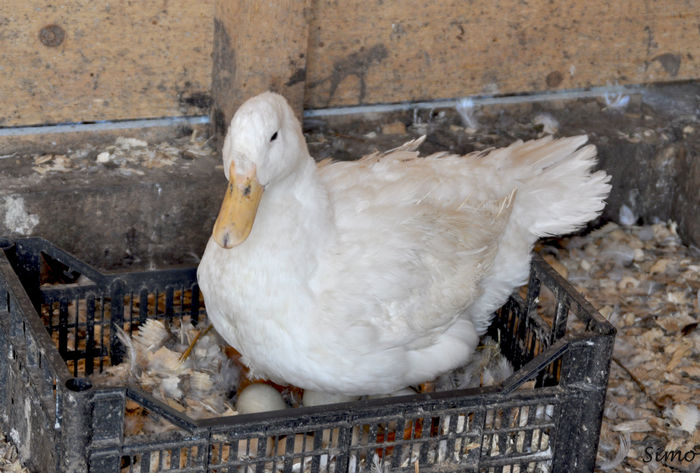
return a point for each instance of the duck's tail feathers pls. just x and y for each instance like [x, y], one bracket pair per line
[409, 145]
[558, 192]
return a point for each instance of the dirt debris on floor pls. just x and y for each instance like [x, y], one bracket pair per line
[647, 284]
[128, 156]
[9, 459]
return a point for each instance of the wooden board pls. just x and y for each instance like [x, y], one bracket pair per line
[378, 51]
[258, 46]
[104, 60]
[124, 60]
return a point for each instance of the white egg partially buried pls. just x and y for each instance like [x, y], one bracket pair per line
[259, 397]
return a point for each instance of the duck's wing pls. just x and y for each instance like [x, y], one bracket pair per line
[414, 239]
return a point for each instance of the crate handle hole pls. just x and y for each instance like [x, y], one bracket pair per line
[78, 384]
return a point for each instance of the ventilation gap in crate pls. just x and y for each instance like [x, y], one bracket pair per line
[76, 327]
[444, 439]
[146, 416]
[170, 304]
[238, 454]
[310, 451]
[152, 461]
[508, 432]
[382, 443]
[458, 439]
[53, 272]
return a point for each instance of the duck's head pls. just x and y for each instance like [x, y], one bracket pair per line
[264, 145]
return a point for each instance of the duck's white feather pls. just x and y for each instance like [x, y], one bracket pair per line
[365, 277]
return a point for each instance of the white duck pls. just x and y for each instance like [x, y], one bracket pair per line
[369, 276]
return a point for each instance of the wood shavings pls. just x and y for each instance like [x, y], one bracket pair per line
[645, 282]
[636, 425]
[9, 459]
[164, 360]
[680, 352]
[131, 152]
[199, 387]
[52, 163]
[127, 156]
[687, 416]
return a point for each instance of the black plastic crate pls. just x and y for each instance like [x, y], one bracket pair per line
[545, 417]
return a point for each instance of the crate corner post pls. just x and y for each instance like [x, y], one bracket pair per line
[586, 379]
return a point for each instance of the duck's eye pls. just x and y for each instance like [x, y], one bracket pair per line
[273, 137]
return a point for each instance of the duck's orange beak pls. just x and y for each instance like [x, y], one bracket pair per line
[238, 209]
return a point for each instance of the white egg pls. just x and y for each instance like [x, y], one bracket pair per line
[318, 398]
[259, 398]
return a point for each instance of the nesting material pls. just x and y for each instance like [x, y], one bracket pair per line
[204, 385]
[647, 284]
[200, 386]
[487, 367]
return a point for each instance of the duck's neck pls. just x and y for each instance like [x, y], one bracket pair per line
[294, 215]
